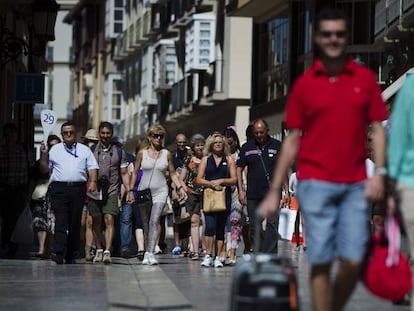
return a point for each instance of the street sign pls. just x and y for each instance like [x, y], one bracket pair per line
[30, 88]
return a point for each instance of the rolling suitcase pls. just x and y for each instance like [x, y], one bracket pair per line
[264, 282]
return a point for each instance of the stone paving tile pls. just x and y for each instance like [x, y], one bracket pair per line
[176, 284]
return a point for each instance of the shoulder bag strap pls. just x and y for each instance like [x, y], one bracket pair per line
[264, 166]
[152, 171]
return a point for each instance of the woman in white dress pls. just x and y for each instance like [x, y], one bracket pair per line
[154, 161]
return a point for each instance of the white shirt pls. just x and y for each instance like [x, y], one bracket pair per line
[293, 182]
[71, 165]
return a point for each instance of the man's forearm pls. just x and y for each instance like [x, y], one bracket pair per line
[378, 144]
[239, 173]
[286, 159]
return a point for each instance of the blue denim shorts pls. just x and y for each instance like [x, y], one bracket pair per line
[336, 220]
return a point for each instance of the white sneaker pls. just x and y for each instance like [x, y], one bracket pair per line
[157, 250]
[218, 263]
[152, 260]
[207, 261]
[146, 261]
[107, 257]
[98, 256]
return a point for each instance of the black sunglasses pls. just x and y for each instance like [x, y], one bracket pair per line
[68, 133]
[339, 34]
[157, 136]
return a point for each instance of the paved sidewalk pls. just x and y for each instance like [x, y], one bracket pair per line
[176, 284]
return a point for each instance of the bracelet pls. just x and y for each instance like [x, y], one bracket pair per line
[92, 181]
[178, 188]
[131, 190]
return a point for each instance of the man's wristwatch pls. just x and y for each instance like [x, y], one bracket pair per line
[381, 170]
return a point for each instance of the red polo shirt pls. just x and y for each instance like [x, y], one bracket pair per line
[333, 114]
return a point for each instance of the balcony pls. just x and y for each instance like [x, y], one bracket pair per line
[129, 36]
[151, 24]
[260, 10]
[215, 74]
[149, 3]
[146, 23]
[385, 17]
[119, 49]
[138, 39]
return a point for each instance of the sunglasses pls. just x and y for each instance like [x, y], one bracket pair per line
[157, 136]
[339, 34]
[68, 133]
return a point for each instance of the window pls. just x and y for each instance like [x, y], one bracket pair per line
[360, 12]
[272, 61]
[114, 18]
[116, 99]
[278, 42]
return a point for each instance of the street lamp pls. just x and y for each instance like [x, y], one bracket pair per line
[44, 19]
[44, 13]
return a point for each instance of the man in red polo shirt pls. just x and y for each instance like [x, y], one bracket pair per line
[328, 112]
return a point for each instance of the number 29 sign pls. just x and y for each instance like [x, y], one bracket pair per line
[48, 119]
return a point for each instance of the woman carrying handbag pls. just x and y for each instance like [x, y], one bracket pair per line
[216, 172]
[154, 161]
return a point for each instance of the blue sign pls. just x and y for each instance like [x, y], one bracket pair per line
[30, 88]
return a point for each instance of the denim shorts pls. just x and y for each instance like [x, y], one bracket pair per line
[336, 220]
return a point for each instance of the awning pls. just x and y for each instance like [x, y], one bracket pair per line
[391, 90]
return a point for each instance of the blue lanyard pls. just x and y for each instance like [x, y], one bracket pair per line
[70, 151]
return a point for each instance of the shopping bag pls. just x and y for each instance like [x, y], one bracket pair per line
[181, 214]
[23, 230]
[287, 219]
[387, 272]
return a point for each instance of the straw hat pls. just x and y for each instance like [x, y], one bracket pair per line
[91, 134]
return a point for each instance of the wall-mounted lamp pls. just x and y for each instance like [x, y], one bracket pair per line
[44, 13]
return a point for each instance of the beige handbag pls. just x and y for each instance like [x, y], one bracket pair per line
[214, 201]
[39, 192]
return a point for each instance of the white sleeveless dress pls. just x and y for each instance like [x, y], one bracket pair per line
[158, 182]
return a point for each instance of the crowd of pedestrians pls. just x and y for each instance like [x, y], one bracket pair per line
[84, 193]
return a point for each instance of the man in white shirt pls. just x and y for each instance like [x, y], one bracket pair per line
[70, 165]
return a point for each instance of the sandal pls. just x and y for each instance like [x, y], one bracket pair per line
[195, 256]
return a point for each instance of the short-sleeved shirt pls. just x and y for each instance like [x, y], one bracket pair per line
[192, 169]
[257, 180]
[71, 165]
[109, 165]
[333, 114]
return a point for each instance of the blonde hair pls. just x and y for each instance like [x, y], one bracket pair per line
[153, 129]
[208, 149]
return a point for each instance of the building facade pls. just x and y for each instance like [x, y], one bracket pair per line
[199, 66]
[25, 28]
[283, 49]
[58, 93]
[179, 63]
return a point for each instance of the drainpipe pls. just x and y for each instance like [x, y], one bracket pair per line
[97, 105]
